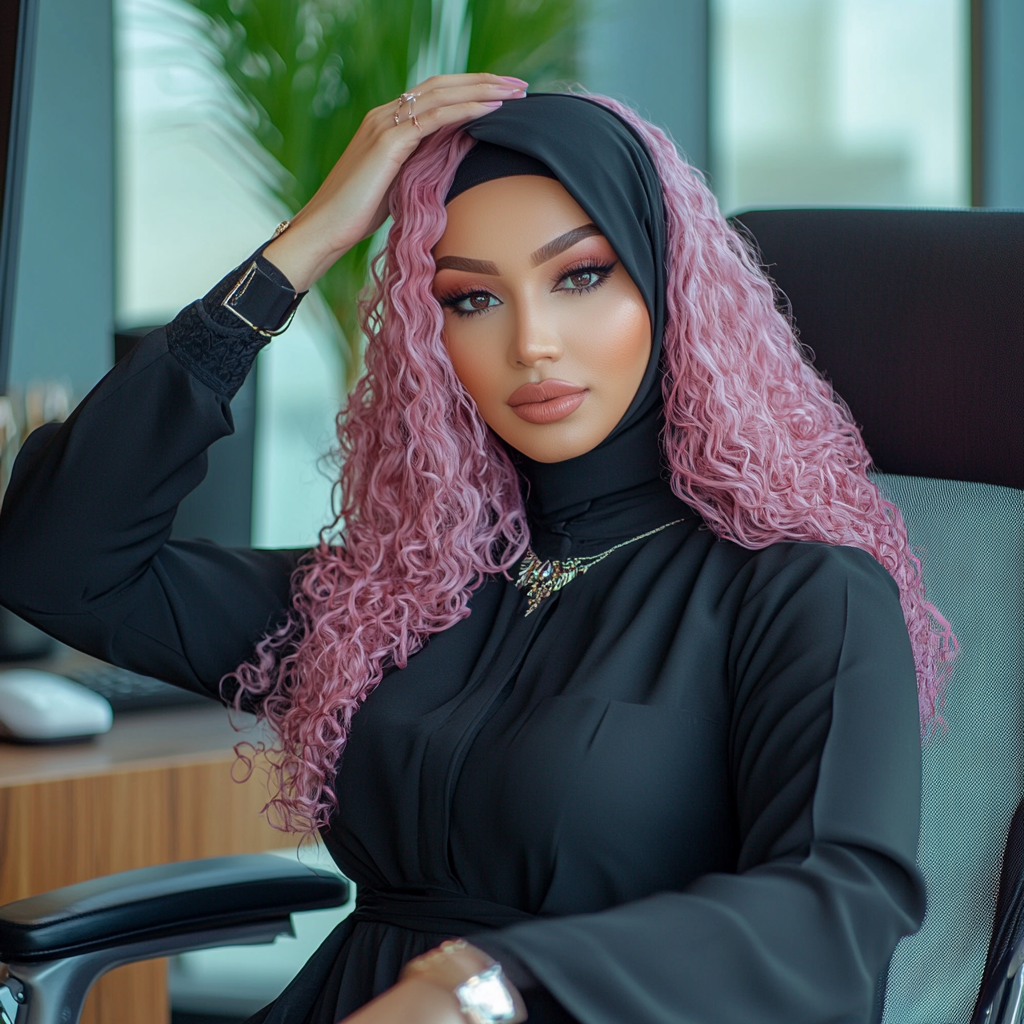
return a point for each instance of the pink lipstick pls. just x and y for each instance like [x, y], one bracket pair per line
[546, 401]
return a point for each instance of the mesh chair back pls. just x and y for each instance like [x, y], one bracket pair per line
[971, 537]
[917, 317]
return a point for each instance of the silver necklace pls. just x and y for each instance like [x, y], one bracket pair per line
[542, 579]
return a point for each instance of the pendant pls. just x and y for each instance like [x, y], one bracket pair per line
[542, 579]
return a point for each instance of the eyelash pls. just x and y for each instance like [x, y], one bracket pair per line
[602, 270]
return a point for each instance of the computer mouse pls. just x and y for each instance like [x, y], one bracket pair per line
[41, 707]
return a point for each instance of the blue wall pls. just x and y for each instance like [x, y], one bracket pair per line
[64, 308]
[1003, 132]
[654, 55]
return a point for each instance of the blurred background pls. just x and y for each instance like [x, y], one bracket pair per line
[167, 138]
[170, 136]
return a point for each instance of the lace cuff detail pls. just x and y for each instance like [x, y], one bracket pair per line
[212, 343]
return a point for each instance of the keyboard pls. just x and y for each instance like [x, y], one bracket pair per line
[128, 691]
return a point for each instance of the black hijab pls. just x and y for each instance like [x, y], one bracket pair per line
[605, 166]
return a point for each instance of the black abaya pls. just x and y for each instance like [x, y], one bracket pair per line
[686, 789]
[706, 756]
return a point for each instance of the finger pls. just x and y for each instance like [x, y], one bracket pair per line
[483, 99]
[414, 119]
[419, 104]
[471, 78]
[480, 92]
[441, 89]
[455, 113]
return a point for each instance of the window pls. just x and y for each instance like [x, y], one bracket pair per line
[836, 102]
[191, 206]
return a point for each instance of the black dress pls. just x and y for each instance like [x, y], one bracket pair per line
[686, 789]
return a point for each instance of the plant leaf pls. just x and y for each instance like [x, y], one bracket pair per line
[307, 72]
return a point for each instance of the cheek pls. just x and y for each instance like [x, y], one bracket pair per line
[616, 340]
[473, 361]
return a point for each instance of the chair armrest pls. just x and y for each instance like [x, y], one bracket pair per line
[162, 902]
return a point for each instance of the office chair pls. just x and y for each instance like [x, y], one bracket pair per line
[918, 319]
[57, 944]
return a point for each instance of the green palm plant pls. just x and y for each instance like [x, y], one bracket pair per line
[306, 72]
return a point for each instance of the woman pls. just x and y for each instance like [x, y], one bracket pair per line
[674, 775]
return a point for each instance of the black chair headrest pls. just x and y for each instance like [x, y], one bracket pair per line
[917, 318]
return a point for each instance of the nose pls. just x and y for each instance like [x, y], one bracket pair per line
[535, 337]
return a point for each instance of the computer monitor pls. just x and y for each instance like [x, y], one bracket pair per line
[17, 45]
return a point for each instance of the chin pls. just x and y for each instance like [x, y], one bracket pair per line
[551, 448]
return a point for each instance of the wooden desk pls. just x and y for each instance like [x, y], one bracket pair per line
[156, 788]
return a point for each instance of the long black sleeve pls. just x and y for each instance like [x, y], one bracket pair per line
[85, 552]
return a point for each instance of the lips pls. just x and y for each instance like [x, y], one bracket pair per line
[546, 401]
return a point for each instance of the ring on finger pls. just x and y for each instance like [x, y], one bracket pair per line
[410, 98]
[413, 96]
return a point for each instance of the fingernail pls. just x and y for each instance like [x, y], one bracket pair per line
[493, 105]
[509, 78]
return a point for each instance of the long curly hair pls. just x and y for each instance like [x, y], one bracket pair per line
[430, 505]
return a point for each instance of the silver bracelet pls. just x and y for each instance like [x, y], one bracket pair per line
[485, 999]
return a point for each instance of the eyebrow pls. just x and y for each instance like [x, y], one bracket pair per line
[546, 252]
[558, 245]
[464, 263]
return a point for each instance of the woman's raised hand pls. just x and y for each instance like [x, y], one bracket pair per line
[352, 202]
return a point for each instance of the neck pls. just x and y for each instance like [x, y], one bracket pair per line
[616, 491]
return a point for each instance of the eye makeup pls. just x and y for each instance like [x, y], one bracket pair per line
[455, 302]
[601, 271]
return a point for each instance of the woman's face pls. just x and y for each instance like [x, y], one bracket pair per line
[546, 330]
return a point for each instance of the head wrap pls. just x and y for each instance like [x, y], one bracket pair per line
[605, 166]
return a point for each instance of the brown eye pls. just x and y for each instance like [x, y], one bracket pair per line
[584, 279]
[474, 302]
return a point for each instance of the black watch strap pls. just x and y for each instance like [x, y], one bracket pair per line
[263, 297]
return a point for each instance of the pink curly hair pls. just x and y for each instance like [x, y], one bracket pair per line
[757, 442]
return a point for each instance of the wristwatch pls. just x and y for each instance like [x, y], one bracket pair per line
[263, 297]
[484, 998]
